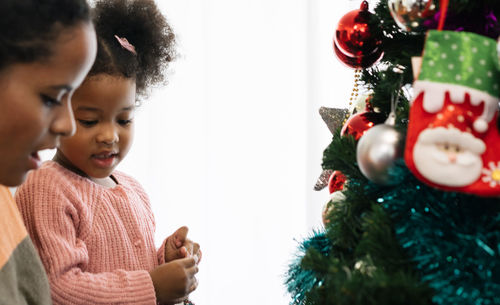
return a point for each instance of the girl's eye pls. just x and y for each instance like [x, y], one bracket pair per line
[49, 101]
[125, 122]
[88, 123]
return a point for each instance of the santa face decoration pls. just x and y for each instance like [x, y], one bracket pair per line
[456, 154]
[453, 142]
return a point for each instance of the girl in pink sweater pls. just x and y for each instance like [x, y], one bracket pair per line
[93, 226]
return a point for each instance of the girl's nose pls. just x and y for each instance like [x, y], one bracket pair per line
[107, 135]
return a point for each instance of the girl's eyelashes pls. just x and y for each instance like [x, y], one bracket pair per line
[50, 101]
[87, 123]
[125, 122]
[91, 123]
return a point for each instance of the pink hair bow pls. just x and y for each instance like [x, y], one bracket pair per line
[126, 45]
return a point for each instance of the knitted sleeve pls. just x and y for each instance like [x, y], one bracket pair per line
[56, 223]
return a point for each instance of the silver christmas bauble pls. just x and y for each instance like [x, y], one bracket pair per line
[409, 14]
[377, 152]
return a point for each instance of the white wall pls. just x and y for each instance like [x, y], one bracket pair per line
[232, 146]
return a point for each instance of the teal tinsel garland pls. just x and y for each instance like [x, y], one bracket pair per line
[300, 280]
[411, 237]
[358, 260]
[453, 238]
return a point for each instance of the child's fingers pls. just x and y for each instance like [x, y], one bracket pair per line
[197, 251]
[196, 248]
[180, 236]
[188, 262]
[191, 271]
[182, 252]
[194, 285]
[189, 246]
[198, 255]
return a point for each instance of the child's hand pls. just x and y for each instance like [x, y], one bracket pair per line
[179, 246]
[175, 280]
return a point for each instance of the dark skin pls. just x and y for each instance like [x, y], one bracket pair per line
[35, 99]
[175, 280]
[103, 108]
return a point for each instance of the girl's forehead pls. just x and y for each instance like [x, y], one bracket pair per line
[105, 93]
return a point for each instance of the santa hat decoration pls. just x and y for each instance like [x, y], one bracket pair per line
[452, 140]
[453, 125]
[460, 63]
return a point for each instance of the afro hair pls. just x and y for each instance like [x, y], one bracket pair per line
[143, 25]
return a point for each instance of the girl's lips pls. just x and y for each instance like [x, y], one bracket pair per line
[34, 161]
[104, 161]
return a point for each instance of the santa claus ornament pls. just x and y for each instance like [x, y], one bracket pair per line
[453, 142]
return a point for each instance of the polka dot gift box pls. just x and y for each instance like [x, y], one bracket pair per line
[453, 142]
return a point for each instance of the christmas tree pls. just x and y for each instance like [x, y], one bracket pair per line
[414, 214]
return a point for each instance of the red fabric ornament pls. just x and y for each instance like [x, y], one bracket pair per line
[458, 117]
[336, 182]
[452, 141]
[357, 39]
[359, 123]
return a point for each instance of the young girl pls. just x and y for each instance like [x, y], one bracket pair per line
[93, 226]
[46, 49]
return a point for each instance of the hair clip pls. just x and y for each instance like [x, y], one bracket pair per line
[126, 45]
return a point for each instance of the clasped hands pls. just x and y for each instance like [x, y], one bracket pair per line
[175, 280]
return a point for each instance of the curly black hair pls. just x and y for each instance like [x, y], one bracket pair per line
[29, 27]
[143, 25]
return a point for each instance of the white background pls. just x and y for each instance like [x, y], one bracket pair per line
[232, 147]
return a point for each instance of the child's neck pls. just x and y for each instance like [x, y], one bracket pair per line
[108, 182]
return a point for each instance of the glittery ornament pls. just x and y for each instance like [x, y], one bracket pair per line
[336, 182]
[325, 212]
[378, 151]
[333, 117]
[410, 15]
[484, 23]
[360, 104]
[359, 123]
[358, 38]
[323, 179]
[329, 206]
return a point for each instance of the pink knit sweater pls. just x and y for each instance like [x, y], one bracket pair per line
[96, 243]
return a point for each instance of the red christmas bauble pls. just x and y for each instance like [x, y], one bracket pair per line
[359, 123]
[336, 182]
[358, 38]
[358, 62]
